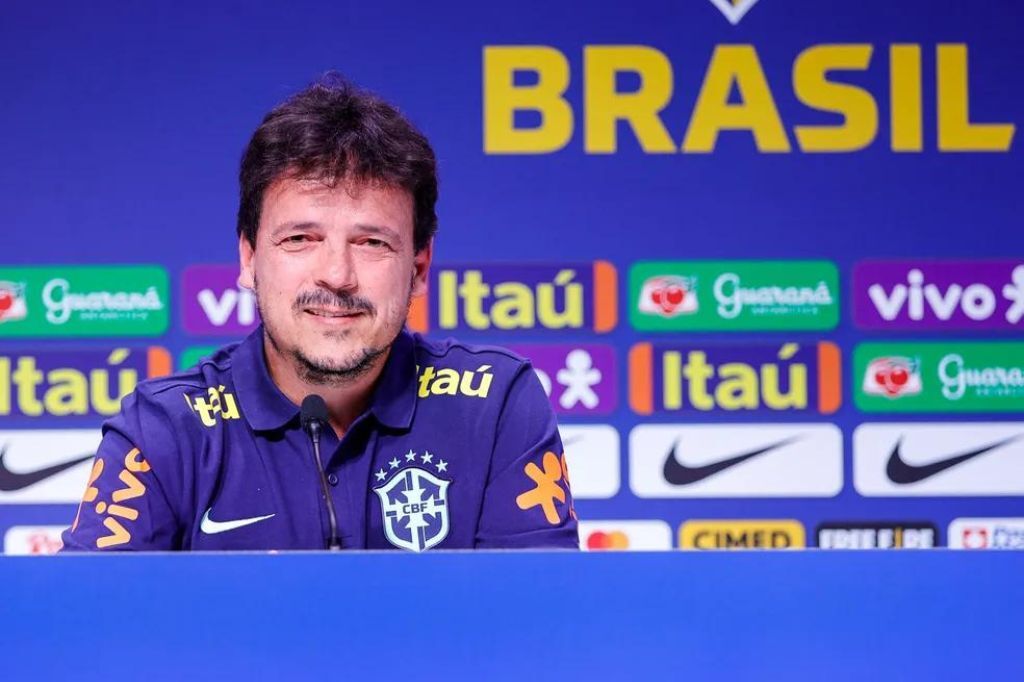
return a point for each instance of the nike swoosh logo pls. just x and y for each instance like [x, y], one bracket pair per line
[211, 527]
[11, 481]
[901, 473]
[681, 474]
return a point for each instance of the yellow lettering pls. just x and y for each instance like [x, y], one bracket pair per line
[26, 377]
[738, 388]
[739, 65]
[855, 105]
[473, 291]
[99, 389]
[67, 393]
[773, 395]
[671, 370]
[956, 132]
[447, 382]
[604, 106]
[905, 98]
[514, 306]
[448, 299]
[466, 387]
[572, 316]
[502, 98]
[697, 371]
[425, 379]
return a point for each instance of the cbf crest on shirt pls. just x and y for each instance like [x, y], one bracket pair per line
[459, 448]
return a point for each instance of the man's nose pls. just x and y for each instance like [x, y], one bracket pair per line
[336, 268]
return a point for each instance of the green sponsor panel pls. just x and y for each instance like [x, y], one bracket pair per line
[190, 357]
[939, 377]
[783, 295]
[77, 301]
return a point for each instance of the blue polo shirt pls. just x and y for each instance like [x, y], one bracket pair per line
[458, 449]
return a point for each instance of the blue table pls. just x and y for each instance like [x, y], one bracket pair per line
[930, 615]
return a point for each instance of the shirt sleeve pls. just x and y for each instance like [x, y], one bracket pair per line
[125, 505]
[527, 502]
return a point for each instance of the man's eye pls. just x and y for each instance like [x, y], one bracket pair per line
[295, 238]
[376, 243]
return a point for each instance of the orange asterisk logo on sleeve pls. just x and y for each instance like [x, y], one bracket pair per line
[546, 487]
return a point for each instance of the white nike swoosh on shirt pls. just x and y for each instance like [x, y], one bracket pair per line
[211, 527]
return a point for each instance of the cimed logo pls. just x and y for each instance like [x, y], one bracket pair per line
[414, 502]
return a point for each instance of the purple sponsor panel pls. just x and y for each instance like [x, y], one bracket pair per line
[214, 305]
[738, 379]
[80, 383]
[939, 295]
[580, 378]
[512, 298]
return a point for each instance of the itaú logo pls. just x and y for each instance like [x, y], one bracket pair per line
[734, 378]
[65, 383]
[528, 297]
[735, 97]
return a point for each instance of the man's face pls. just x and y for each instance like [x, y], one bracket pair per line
[333, 271]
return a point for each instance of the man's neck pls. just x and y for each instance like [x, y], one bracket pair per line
[345, 401]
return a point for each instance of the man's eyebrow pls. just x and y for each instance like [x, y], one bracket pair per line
[382, 230]
[294, 225]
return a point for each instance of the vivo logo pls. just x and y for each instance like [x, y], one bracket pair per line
[939, 294]
[214, 304]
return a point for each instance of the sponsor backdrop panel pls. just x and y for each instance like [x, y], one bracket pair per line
[727, 236]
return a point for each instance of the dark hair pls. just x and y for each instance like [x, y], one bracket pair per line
[334, 131]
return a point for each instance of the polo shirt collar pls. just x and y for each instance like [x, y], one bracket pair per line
[266, 408]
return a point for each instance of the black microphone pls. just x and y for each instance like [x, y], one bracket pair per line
[314, 418]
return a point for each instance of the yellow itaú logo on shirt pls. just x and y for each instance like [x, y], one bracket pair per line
[445, 381]
[217, 403]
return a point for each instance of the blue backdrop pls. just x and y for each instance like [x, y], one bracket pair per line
[123, 128]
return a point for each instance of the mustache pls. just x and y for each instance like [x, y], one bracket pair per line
[332, 299]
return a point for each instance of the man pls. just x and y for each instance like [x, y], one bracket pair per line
[426, 444]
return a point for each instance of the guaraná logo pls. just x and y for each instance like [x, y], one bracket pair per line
[940, 377]
[734, 295]
[84, 301]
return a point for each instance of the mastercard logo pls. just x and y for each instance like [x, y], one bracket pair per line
[613, 540]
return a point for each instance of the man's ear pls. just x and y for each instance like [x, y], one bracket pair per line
[421, 269]
[247, 274]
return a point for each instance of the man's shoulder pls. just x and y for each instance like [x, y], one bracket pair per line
[455, 352]
[175, 393]
[452, 367]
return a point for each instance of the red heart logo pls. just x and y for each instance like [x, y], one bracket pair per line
[6, 301]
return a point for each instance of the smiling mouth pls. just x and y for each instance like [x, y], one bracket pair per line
[333, 314]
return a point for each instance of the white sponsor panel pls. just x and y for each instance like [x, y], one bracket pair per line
[25, 540]
[928, 459]
[46, 466]
[592, 456]
[642, 536]
[736, 460]
[991, 533]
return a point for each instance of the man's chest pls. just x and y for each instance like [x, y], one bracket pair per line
[415, 491]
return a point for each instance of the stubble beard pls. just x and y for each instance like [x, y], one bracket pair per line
[330, 371]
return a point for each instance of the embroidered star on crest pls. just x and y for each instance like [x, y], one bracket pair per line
[427, 457]
[380, 475]
[442, 465]
[410, 456]
[394, 463]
